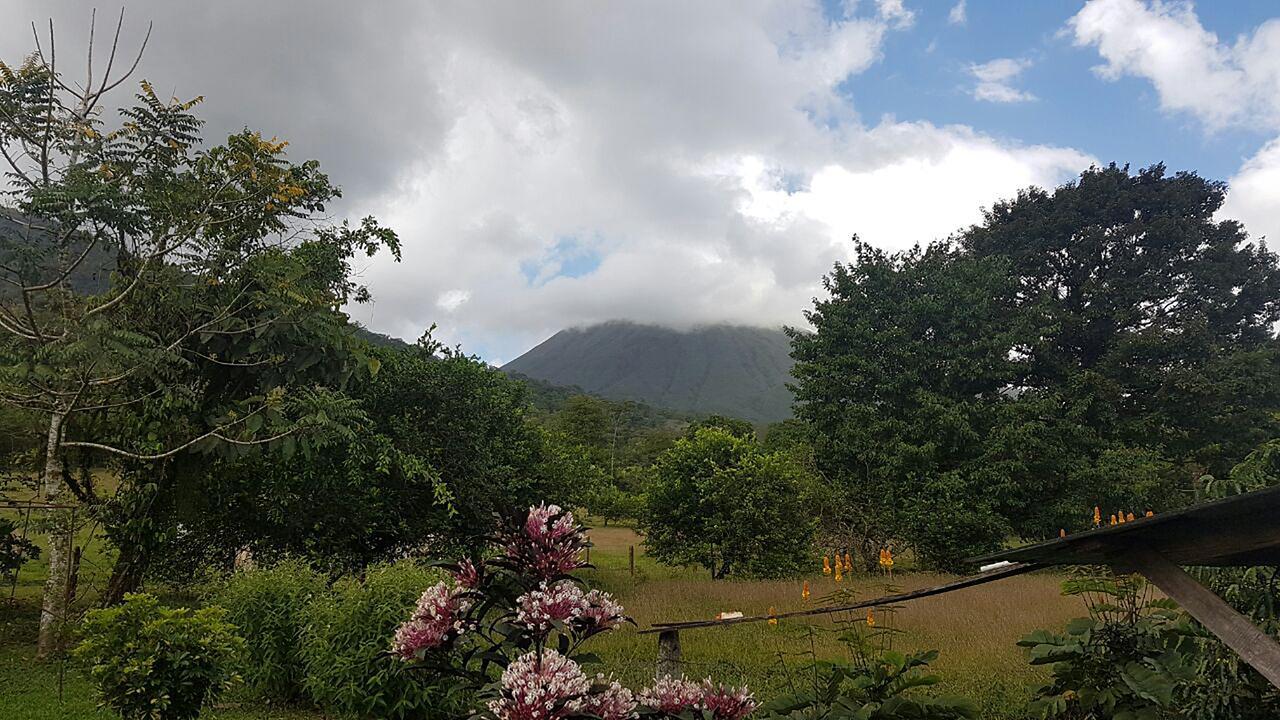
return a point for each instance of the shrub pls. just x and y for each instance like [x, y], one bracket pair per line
[345, 643]
[269, 607]
[150, 662]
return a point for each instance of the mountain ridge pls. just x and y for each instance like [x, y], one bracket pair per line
[734, 370]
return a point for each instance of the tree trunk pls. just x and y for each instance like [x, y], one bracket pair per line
[53, 608]
[126, 574]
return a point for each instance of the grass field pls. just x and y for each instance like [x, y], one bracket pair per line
[974, 629]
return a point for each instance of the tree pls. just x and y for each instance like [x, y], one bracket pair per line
[902, 378]
[731, 425]
[1145, 306]
[717, 501]
[1102, 344]
[199, 251]
[448, 447]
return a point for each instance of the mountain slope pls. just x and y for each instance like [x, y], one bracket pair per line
[731, 370]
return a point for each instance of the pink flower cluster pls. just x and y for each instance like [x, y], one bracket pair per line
[611, 701]
[545, 688]
[672, 696]
[436, 621]
[561, 602]
[554, 687]
[565, 602]
[549, 544]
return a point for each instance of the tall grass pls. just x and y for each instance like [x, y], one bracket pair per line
[975, 629]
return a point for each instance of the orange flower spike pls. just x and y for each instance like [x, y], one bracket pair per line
[1150, 514]
[1129, 517]
[839, 576]
[1097, 516]
[804, 591]
[1062, 532]
[772, 613]
[826, 565]
[839, 564]
[848, 562]
[871, 619]
[1113, 519]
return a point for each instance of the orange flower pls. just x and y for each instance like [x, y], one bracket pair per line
[1097, 516]
[772, 620]
[1129, 517]
[1150, 514]
[1062, 532]
[871, 619]
[848, 562]
[839, 577]
[826, 565]
[804, 591]
[1113, 519]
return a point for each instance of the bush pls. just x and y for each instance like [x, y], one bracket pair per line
[345, 644]
[150, 662]
[270, 608]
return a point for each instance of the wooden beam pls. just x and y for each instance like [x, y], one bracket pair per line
[1235, 630]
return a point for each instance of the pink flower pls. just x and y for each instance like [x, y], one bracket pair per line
[542, 528]
[672, 695]
[562, 602]
[727, 703]
[467, 576]
[601, 611]
[549, 542]
[612, 701]
[436, 621]
[549, 688]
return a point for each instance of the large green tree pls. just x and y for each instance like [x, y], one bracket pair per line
[718, 501]
[448, 446]
[201, 263]
[1101, 344]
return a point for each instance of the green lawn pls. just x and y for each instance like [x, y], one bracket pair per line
[974, 629]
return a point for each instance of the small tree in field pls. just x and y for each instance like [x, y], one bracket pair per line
[718, 501]
[159, 299]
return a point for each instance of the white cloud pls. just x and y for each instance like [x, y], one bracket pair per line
[1191, 69]
[894, 12]
[958, 14]
[1254, 194]
[702, 151]
[993, 81]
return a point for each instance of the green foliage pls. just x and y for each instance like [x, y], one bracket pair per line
[447, 444]
[716, 500]
[733, 426]
[270, 609]
[846, 691]
[150, 662]
[1093, 345]
[14, 550]
[345, 644]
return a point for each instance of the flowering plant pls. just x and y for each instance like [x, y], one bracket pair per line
[511, 625]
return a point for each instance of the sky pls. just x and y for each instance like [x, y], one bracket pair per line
[557, 164]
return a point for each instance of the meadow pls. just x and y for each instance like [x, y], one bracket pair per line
[975, 630]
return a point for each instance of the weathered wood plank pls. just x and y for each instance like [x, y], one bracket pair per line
[669, 660]
[1238, 632]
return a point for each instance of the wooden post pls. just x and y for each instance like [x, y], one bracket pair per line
[668, 654]
[631, 559]
[1235, 630]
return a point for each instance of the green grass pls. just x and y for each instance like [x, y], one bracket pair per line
[974, 629]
